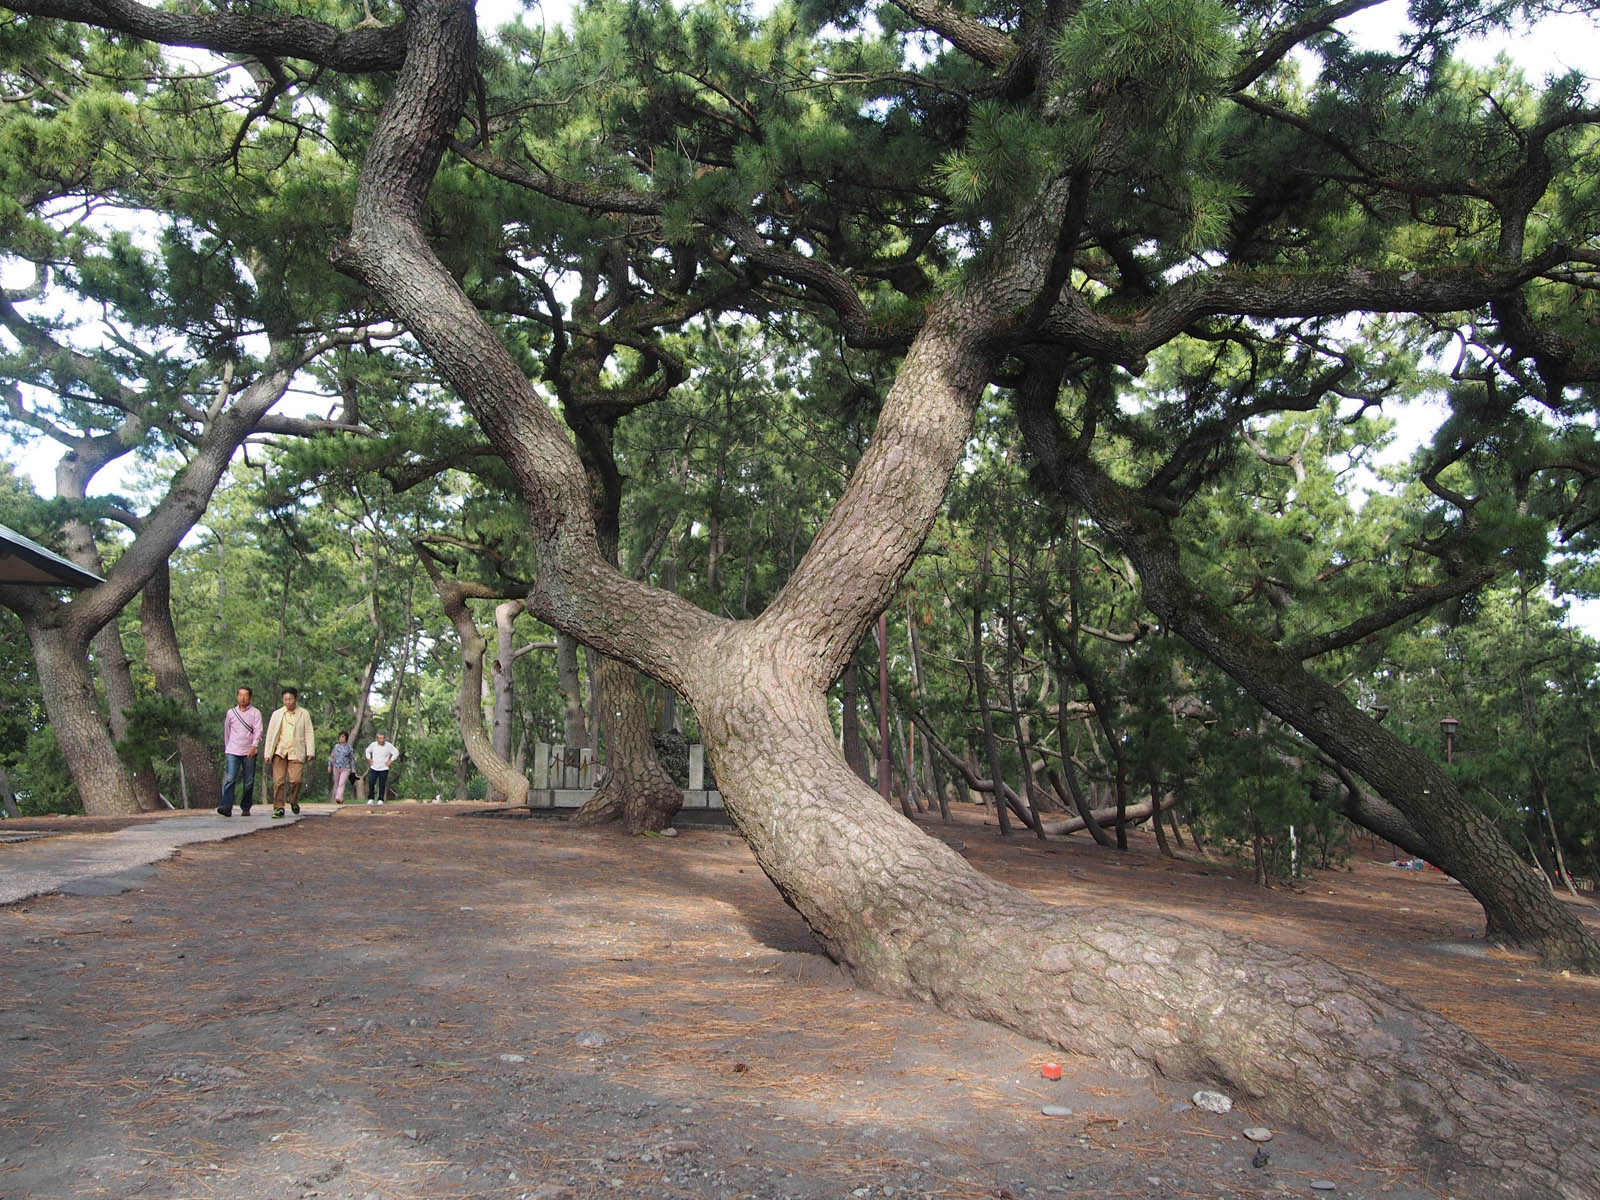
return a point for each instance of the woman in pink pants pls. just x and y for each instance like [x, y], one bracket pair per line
[341, 763]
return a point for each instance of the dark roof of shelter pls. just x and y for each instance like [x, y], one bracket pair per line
[25, 561]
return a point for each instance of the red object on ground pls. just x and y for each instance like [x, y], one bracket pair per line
[1051, 1070]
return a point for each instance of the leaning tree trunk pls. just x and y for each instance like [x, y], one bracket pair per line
[111, 661]
[1463, 840]
[98, 775]
[165, 660]
[1306, 1042]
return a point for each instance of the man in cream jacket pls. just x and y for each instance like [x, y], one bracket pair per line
[288, 746]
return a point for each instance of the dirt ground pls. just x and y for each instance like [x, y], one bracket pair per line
[437, 1001]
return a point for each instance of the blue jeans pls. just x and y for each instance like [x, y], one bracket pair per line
[239, 764]
[378, 782]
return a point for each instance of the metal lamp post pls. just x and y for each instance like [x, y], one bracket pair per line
[1449, 725]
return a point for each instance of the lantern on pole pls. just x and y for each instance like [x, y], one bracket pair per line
[1449, 725]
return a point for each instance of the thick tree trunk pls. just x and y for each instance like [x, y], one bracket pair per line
[636, 788]
[111, 664]
[101, 780]
[165, 660]
[1307, 1043]
[1464, 841]
[1303, 1041]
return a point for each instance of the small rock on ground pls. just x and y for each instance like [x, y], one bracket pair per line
[1213, 1102]
[1056, 1110]
[1257, 1134]
[589, 1039]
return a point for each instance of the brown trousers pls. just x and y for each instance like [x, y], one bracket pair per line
[287, 776]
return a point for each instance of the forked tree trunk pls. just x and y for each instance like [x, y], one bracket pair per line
[111, 663]
[165, 660]
[502, 776]
[1307, 1043]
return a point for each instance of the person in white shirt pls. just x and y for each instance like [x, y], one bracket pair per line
[380, 754]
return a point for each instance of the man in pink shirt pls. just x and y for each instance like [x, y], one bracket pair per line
[241, 742]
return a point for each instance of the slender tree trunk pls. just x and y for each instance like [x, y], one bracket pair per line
[8, 797]
[1172, 820]
[991, 747]
[408, 650]
[1155, 819]
[1069, 769]
[575, 724]
[850, 721]
[503, 686]
[1029, 784]
[165, 660]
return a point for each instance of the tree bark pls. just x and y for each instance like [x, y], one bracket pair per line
[850, 722]
[110, 656]
[1074, 787]
[165, 660]
[1133, 814]
[1308, 1043]
[502, 776]
[8, 797]
[991, 747]
[103, 785]
[574, 721]
[502, 685]
[636, 789]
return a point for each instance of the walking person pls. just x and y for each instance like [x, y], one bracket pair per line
[341, 765]
[241, 742]
[290, 743]
[379, 755]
